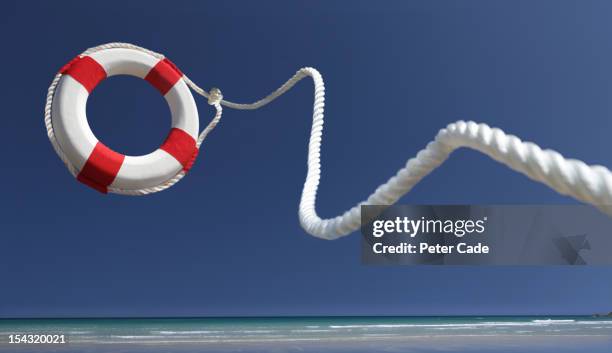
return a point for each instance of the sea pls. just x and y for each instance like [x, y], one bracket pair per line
[495, 334]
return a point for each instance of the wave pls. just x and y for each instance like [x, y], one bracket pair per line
[195, 332]
[309, 330]
[470, 325]
[552, 321]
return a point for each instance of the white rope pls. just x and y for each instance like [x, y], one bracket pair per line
[590, 184]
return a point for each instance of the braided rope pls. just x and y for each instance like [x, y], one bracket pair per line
[590, 184]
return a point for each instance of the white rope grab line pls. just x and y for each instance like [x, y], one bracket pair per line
[590, 184]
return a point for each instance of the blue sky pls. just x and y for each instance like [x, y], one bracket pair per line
[226, 239]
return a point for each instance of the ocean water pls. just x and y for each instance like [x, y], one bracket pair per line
[318, 334]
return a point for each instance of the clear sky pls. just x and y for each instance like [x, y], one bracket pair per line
[226, 240]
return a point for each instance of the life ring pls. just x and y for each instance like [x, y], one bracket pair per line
[108, 171]
[95, 164]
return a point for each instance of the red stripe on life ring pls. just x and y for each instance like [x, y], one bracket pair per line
[86, 71]
[181, 146]
[101, 168]
[163, 76]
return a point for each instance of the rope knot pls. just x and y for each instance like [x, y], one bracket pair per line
[214, 96]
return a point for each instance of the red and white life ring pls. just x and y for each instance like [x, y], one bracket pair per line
[95, 164]
[108, 171]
